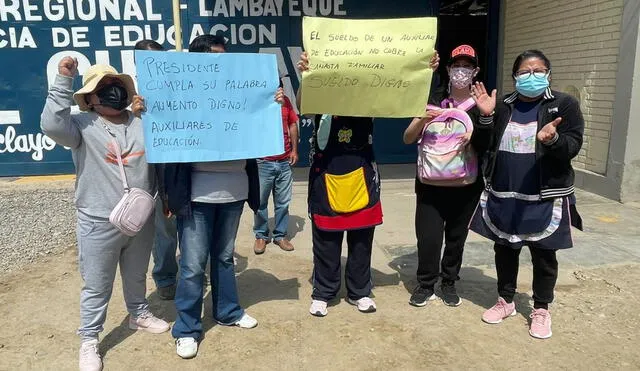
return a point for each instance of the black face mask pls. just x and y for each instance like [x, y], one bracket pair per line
[113, 96]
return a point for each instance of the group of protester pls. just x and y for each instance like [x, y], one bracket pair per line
[512, 182]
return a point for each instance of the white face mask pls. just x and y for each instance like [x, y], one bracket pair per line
[461, 77]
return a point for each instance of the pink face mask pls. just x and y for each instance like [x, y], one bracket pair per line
[461, 77]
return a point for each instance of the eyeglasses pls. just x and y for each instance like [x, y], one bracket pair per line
[522, 75]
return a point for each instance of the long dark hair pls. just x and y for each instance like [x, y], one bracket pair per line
[531, 53]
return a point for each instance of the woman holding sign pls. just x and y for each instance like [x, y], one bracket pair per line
[529, 195]
[344, 196]
[208, 199]
[452, 136]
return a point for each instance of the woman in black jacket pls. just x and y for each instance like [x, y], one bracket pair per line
[529, 194]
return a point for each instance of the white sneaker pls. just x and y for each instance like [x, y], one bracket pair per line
[89, 358]
[186, 347]
[318, 308]
[149, 323]
[365, 305]
[247, 322]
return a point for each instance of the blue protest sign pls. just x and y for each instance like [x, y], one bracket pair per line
[209, 106]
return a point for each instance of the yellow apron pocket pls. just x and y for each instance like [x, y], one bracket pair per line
[347, 193]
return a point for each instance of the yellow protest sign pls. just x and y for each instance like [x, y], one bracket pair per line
[367, 68]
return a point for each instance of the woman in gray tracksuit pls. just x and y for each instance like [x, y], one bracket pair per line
[94, 137]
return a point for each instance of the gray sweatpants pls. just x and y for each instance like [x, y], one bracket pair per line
[100, 248]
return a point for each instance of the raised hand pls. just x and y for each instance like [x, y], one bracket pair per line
[435, 61]
[279, 97]
[465, 139]
[549, 131]
[486, 103]
[303, 63]
[68, 67]
[138, 106]
[431, 114]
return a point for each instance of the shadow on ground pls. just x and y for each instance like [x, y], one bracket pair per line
[378, 279]
[296, 225]
[474, 285]
[254, 286]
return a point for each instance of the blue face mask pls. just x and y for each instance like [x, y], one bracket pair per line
[532, 86]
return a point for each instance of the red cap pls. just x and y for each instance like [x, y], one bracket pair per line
[464, 51]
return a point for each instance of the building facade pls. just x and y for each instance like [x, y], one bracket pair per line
[594, 48]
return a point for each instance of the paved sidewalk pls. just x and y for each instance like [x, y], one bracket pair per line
[610, 235]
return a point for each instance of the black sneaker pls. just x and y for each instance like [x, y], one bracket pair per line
[421, 296]
[167, 292]
[449, 294]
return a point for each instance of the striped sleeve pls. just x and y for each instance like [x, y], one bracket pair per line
[552, 141]
[485, 120]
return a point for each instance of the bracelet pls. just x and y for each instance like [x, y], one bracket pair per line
[489, 115]
[552, 141]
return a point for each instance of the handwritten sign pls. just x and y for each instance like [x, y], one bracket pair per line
[209, 106]
[369, 68]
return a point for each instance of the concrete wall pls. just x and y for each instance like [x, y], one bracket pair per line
[625, 145]
[593, 49]
[581, 38]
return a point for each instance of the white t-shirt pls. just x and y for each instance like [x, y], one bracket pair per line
[219, 182]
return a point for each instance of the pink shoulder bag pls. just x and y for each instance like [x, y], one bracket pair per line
[135, 207]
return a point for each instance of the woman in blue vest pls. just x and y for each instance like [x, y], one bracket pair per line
[344, 196]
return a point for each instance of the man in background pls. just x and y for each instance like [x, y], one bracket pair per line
[165, 243]
[276, 177]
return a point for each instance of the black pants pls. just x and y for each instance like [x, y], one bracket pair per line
[545, 273]
[442, 211]
[327, 251]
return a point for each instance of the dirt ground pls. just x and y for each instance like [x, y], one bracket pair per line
[596, 321]
[595, 324]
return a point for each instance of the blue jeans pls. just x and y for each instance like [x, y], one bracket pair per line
[165, 244]
[275, 177]
[210, 229]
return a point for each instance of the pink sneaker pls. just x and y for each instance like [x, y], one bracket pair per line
[498, 312]
[149, 323]
[540, 324]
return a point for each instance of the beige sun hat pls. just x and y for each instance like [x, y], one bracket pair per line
[92, 78]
